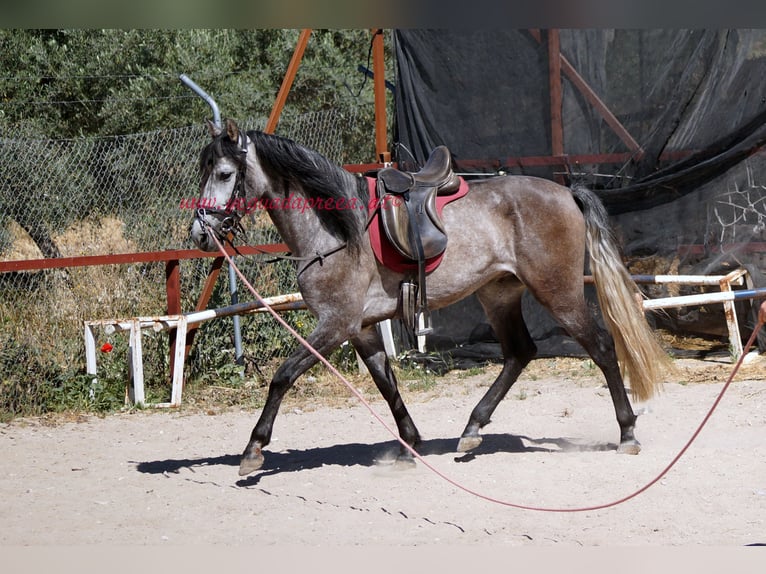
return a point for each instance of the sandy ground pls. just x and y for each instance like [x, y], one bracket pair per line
[170, 478]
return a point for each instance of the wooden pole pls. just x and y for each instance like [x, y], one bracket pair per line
[554, 75]
[578, 81]
[287, 81]
[379, 81]
[173, 290]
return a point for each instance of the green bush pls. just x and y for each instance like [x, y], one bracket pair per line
[33, 385]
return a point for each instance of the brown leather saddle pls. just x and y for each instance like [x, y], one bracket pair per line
[408, 205]
[412, 224]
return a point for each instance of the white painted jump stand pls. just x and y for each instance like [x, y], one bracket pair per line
[135, 393]
[726, 297]
[135, 325]
[181, 323]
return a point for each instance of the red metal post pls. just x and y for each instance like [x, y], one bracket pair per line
[554, 75]
[207, 291]
[287, 81]
[595, 101]
[137, 257]
[173, 290]
[379, 72]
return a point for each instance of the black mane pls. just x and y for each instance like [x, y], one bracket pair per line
[284, 159]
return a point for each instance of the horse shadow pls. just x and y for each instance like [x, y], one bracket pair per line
[381, 453]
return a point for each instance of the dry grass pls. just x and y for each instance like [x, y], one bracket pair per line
[88, 237]
[47, 308]
[22, 247]
[103, 286]
[53, 317]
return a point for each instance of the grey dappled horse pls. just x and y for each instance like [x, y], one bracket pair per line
[508, 234]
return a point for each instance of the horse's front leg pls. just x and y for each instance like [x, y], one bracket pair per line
[324, 340]
[369, 345]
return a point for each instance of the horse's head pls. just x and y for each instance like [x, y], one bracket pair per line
[220, 206]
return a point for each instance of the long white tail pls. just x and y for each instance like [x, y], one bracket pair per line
[642, 359]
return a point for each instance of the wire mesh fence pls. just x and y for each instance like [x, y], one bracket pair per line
[97, 196]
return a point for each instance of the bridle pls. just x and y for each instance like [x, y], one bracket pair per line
[230, 218]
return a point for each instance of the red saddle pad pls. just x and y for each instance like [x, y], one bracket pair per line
[385, 253]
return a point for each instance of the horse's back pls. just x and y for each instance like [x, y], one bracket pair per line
[524, 192]
[520, 209]
[511, 226]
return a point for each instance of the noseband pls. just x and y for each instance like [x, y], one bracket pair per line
[229, 216]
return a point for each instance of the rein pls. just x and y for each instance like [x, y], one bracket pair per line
[236, 230]
[358, 395]
[319, 256]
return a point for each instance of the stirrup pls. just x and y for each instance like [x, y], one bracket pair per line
[424, 318]
[416, 317]
[409, 291]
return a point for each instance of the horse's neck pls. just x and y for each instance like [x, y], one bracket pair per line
[297, 222]
[299, 225]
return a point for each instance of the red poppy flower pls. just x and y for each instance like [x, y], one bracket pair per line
[106, 348]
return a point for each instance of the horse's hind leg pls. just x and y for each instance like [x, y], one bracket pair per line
[600, 346]
[570, 309]
[324, 340]
[502, 303]
[369, 345]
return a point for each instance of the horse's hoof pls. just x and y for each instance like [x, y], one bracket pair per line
[404, 463]
[632, 447]
[250, 462]
[468, 443]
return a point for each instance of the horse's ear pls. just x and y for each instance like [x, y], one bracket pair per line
[232, 130]
[214, 130]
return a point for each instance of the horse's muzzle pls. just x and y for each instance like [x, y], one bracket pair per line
[199, 234]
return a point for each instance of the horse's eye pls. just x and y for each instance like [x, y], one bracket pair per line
[226, 175]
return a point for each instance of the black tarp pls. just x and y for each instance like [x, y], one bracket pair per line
[690, 199]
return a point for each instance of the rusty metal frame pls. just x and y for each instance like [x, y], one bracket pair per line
[559, 67]
[287, 81]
